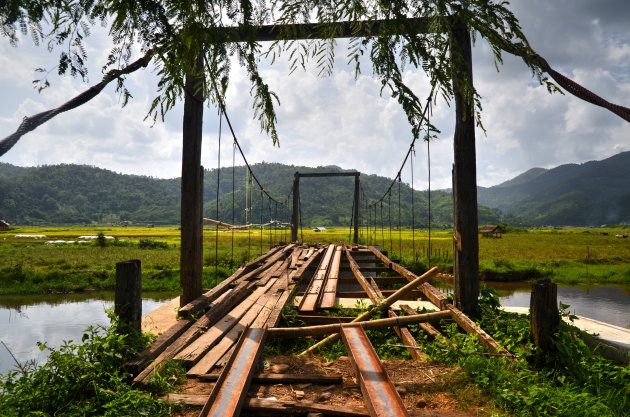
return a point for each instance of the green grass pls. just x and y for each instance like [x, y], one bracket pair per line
[28, 266]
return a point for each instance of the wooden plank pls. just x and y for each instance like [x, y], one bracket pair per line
[380, 307]
[279, 407]
[470, 327]
[229, 393]
[297, 274]
[191, 354]
[367, 287]
[282, 379]
[204, 300]
[426, 327]
[407, 338]
[325, 329]
[330, 285]
[412, 295]
[257, 311]
[380, 281]
[158, 346]
[313, 319]
[312, 293]
[218, 309]
[433, 294]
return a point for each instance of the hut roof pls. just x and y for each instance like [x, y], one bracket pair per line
[492, 228]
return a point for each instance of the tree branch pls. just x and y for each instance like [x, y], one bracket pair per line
[31, 123]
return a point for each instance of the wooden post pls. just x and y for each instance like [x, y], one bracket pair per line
[128, 293]
[544, 314]
[466, 244]
[191, 259]
[356, 208]
[296, 207]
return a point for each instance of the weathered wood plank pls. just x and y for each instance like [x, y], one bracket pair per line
[330, 284]
[218, 309]
[426, 327]
[158, 346]
[281, 379]
[256, 312]
[204, 300]
[470, 327]
[367, 287]
[325, 329]
[195, 350]
[407, 338]
[312, 293]
[381, 307]
[281, 407]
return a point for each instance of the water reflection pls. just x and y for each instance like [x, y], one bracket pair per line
[25, 320]
[610, 304]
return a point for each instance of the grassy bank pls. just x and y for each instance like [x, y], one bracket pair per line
[29, 265]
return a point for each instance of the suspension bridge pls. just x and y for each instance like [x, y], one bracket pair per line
[219, 334]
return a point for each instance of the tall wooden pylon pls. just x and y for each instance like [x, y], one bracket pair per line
[466, 238]
[191, 257]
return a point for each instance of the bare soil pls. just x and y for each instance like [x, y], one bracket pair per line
[427, 389]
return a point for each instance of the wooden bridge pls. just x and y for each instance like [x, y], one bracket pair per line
[221, 348]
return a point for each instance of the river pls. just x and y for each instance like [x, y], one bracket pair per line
[28, 319]
[25, 320]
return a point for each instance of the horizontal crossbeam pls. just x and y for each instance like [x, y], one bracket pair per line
[300, 31]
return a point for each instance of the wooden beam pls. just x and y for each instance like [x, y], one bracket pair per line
[470, 327]
[296, 208]
[191, 258]
[327, 174]
[466, 243]
[380, 307]
[329, 292]
[275, 407]
[281, 379]
[331, 329]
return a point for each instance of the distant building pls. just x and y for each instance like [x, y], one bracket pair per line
[319, 229]
[492, 230]
[4, 225]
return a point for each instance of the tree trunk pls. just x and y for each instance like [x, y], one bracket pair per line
[191, 261]
[544, 314]
[466, 244]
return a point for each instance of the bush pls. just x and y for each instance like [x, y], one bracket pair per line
[152, 244]
[84, 379]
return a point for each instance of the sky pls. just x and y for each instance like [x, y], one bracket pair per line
[342, 120]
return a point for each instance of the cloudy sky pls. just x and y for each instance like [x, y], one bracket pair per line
[340, 120]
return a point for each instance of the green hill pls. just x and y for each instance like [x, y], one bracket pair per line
[588, 194]
[74, 194]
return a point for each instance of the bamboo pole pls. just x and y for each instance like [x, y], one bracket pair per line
[324, 329]
[380, 307]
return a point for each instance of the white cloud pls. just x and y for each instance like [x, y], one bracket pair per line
[345, 121]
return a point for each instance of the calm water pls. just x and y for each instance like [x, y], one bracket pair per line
[26, 320]
[610, 304]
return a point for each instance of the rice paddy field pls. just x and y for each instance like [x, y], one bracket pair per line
[29, 265]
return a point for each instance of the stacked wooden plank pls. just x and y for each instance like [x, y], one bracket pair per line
[252, 297]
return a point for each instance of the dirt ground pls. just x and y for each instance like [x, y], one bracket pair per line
[426, 389]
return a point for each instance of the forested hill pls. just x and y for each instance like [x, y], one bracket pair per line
[588, 194]
[74, 194]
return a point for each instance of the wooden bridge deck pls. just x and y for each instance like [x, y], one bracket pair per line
[213, 335]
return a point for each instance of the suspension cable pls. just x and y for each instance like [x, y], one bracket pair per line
[216, 234]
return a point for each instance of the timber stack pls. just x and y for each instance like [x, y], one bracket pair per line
[219, 337]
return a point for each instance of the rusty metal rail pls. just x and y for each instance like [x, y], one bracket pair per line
[228, 395]
[379, 394]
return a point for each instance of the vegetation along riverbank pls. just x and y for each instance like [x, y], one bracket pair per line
[30, 265]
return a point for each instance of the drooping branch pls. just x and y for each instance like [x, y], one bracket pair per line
[33, 122]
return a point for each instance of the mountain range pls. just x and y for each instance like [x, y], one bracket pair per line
[593, 193]
[588, 194]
